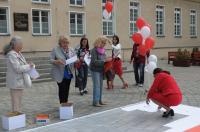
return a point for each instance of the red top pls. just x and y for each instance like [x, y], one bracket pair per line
[164, 84]
[135, 54]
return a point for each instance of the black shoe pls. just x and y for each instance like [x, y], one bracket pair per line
[81, 93]
[166, 114]
[85, 92]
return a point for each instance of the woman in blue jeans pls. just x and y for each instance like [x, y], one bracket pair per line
[138, 64]
[82, 66]
[98, 58]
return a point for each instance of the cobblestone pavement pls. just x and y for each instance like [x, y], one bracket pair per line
[42, 97]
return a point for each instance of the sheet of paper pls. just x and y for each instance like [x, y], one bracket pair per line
[33, 73]
[87, 59]
[71, 60]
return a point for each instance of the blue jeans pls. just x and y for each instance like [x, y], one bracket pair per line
[139, 72]
[83, 75]
[97, 78]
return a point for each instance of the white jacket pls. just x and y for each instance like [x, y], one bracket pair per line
[117, 50]
[16, 66]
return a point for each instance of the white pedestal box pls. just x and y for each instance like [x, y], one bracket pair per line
[66, 112]
[13, 122]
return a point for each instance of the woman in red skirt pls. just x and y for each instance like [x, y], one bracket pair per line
[117, 62]
[164, 92]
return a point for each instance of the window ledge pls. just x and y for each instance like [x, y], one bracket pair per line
[78, 6]
[160, 36]
[41, 35]
[77, 35]
[7, 34]
[177, 36]
[43, 3]
[193, 36]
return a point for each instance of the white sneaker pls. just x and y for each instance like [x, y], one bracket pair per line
[140, 85]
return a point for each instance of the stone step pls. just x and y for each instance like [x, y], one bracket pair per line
[42, 76]
[41, 66]
[43, 80]
[2, 79]
[34, 81]
[2, 85]
[37, 62]
[41, 71]
[2, 74]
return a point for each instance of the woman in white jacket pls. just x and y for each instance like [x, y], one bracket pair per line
[16, 66]
[117, 60]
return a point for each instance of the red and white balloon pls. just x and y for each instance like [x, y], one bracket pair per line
[143, 36]
[108, 10]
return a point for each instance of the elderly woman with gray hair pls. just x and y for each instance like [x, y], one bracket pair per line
[61, 72]
[16, 67]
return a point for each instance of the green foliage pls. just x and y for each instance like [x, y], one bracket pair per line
[183, 55]
[195, 49]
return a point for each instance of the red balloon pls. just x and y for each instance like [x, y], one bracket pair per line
[140, 22]
[109, 6]
[137, 38]
[149, 43]
[142, 50]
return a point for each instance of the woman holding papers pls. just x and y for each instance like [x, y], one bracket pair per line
[16, 68]
[98, 58]
[164, 92]
[82, 67]
[62, 57]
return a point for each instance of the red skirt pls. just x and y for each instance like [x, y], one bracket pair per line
[117, 67]
[168, 100]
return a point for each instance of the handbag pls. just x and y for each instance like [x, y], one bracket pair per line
[27, 80]
[26, 76]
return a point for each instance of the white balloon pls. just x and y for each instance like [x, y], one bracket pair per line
[153, 58]
[146, 32]
[150, 67]
[106, 15]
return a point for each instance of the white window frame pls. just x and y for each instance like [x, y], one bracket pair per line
[8, 21]
[177, 24]
[41, 2]
[76, 4]
[195, 35]
[130, 32]
[160, 35]
[84, 23]
[49, 19]
[113, 20]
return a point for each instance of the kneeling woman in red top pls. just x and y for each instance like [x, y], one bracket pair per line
[164, 92]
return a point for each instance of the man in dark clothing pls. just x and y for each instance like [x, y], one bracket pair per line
[138, 64]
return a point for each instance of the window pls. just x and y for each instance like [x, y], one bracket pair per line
[134, 13]
[41, 1]
[107, 24]
[4, 21]
[77, 23]
[177, 22]
[160, 20]
[193, 23]
[41, 22]
[77, 2]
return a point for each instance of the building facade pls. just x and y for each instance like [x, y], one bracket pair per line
[175, 23]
